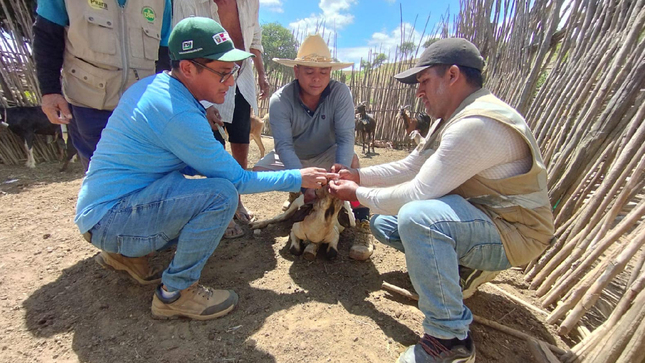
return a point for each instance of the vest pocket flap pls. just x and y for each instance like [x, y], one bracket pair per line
[99, 20]
[86, 77]
[152, 33]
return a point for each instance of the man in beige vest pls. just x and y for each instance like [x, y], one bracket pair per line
[100, 48]
[470, 200]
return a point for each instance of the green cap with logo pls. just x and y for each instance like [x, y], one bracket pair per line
[198, 37]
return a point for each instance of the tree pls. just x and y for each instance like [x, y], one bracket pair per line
[278, 42]
[406, 48]
[378, 60]
[429, 42]
[366, 65]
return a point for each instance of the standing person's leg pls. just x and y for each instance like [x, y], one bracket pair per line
[238, 136]
[437, 236]
[85, 129]
[191, 212]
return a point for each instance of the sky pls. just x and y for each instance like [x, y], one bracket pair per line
[358, 25]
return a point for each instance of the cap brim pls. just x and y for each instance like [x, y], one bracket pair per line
[410, 76]
[232, 55]
[291, 62]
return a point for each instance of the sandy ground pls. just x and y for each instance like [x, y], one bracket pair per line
[58, 305]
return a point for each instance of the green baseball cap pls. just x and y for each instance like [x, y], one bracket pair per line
[198, 37]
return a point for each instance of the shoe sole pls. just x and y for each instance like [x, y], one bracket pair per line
[169, 314]
[481, 279]
[120, 267]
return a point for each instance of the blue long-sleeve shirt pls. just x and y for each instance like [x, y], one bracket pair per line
[158, 128]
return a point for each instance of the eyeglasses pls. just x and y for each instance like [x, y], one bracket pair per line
[225, 76]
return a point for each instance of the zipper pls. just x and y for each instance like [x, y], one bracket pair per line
[124, 49]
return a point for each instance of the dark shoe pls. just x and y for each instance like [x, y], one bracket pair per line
[363, 247]
[431, 350]
[196, 302]
[137, 267]
[470, 279]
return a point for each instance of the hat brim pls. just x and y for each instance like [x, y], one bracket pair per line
[232, 55]
[292, 62]
[410, 76]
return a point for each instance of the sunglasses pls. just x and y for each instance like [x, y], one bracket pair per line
[225, 76]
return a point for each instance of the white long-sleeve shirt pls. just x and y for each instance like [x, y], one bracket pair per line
[248, 11]
[472, 146]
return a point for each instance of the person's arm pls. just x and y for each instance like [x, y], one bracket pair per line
[163, 57]
[189, 137]
[257, 49]
[395, 172]
[280, 120]
[466, 149]
[344, 124]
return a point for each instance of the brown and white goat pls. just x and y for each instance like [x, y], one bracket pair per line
[321, 225]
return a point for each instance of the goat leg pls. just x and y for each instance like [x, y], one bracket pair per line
[311, 251]
[295, 245]
[299, 202]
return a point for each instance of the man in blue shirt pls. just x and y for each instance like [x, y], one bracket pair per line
[135, 199]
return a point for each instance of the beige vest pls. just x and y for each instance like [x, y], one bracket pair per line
[519, 206]
[108, 48]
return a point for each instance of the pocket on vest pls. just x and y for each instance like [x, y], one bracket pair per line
[89, 86]
[144, 42]
[101, 34]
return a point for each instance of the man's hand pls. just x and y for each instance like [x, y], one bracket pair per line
[345, 173]
[214, 118]
[343, 189]
[56, 108]
[316, 177]
[264, 86]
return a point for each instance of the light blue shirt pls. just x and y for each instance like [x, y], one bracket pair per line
[56, 12]
[157, 128]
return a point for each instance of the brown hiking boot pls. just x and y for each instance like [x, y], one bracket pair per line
[292, 196]
[196, 302]
[363, 247]
[137, 267]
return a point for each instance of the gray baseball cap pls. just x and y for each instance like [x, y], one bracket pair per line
[457, 51]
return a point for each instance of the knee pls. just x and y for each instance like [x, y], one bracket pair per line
[410, 215]
[225, 194]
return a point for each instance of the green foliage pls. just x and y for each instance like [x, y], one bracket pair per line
[378, 60]
[429, 42]
[366, 65]
[406, 48]
[278, 42]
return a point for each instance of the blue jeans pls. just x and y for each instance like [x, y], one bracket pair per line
[437, 236]
[192, 213]
[85, 129]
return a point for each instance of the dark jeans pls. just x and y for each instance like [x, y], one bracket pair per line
[85, 130]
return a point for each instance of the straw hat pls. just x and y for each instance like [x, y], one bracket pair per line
[313, 52]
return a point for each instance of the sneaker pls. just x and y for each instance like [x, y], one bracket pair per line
[196, 302]
[470, 279]
[431, 350]
[363, 247]
[292, 196]
[137, 267]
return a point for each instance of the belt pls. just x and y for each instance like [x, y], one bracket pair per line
[88, 236]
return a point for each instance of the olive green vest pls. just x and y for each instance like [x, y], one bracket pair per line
[108, 48]
[519, 206]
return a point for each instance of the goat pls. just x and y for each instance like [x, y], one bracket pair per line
[256, 131]
[365, 126]
[321, 225]
[26, 122]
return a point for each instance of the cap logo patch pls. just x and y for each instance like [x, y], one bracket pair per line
[220, 38]
[187, 45]
[98, 4]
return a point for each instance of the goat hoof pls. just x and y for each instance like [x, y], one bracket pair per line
[331, 253]
[295, 251]
[309, 256]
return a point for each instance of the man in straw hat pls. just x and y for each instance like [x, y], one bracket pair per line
[470, 200]
[312, 120]
[135, 199]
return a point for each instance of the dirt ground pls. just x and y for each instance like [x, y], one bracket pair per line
[58, 305]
